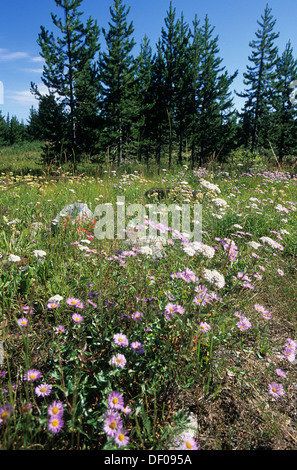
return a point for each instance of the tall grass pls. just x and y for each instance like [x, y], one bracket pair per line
[122, 290]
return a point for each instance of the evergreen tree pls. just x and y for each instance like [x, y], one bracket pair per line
[53, 128]
[259, 78]
[68, 60]
[168, 46]
[144, 64]
[283, 130]
[3, 130]
[183, 85]
[117, 67]
[34, 128]
[195, 60]
[215, 105]
[158, 116]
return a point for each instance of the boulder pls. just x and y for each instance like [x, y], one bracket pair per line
[76, 211]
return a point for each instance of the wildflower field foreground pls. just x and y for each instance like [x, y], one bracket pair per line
[111, 344]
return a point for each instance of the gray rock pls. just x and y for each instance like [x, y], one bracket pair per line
[77, 211]
[35, 227]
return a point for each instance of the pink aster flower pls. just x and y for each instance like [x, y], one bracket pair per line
[266, 315]
[52, 305]
[280, 272]
[77, 318]
[119, 360]
[72, 301]
[126, 410]
[276, 390]
[112, 423]
[120, 340]
[23, 321]
[55, 424]
[43, 390]
[204, 327]
[259, 308]
[56, 408]
[189, 443]
[244, 323]
[121, 437]
[137, 347]
[5, 412]
[289, 354]
[59, 329]
[115, 400]
[32, 374]
[137, 316]
[170, 310]
[281, 373]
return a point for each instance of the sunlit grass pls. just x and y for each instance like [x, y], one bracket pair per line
[125, 291]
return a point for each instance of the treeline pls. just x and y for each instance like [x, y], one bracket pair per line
[13, 131]
[177, 98]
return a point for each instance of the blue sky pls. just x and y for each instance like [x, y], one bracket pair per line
[235, 23]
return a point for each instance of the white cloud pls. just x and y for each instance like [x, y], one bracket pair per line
[37, 59]
[25, 97]
[5, 55]
[32, 70]
[22, 97]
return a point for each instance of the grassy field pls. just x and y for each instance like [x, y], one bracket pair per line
[139, 336]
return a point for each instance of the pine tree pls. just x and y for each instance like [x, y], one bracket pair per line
[68, 59]
[3, 130]
[183, 85]
[283, 130]
[144, 64]
[168, 46]
[195, 60]
[117, 67]
[259, 77]
[214, 102]
[158, 116]
[54, 128]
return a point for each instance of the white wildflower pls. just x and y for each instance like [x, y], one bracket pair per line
[270, 242]
[220, 203]
[204, 250]
[212, 187]
[39, 253]
[214, 278]
[14, 258]
[254, 245]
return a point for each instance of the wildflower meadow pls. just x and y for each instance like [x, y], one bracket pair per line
[113, 343]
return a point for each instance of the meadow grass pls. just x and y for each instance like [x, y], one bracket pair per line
[150, 334]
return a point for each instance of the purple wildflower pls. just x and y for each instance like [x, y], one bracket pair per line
[204, 327]
[43, 390]
[120, 340]
[137, 347]
[116, 400]
[276, 390]
[23, 321]
[55, 424]
[5, 412]
[32, 374]
[77, 318]
[56, 408]
[189, 443]
[112, 423]
[119, 360]
[244, 323]
[121, 437]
